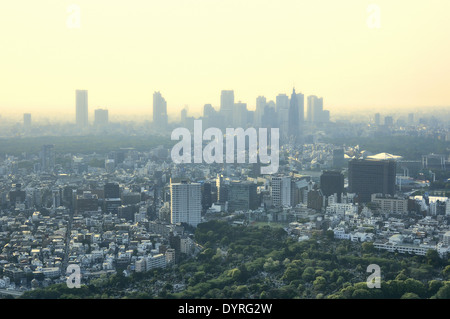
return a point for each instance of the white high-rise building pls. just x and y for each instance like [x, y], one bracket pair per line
[185, 203]
[281, 191]
[82, 118]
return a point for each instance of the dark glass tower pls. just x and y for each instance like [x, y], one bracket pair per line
[367, 177]
[332, 182]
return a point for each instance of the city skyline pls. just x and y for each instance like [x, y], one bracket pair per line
[245, 151]
[308, 106]
[122, 53]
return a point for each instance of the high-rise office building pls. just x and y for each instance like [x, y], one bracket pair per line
[185, 203]
[388, 121]
[377, 119]
[338, 158]
[301, 109]
[26, 120]
[282, 109]
[270, 116]
[332, 182]
[222, 190]
[293, 121]
[47, 157]
[112, 202]
[101, 117]
[227, 106]
[411, 118]
[367, 177]
[82, 117]
[242, 196]
[315, 199]
[160, 118]
[315, 109]
[282, 102]
[261, 103]
[207, 200]
[211, 117]
[208, 110]
[111, 190]
[281, 191]
[240, 114]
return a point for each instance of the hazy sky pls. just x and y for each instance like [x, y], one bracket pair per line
[190, 50]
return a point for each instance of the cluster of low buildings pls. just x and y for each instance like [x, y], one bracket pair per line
[134, 211]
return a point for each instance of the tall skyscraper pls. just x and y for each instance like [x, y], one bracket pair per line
[301, 109]
[101, 117]
[281, 191]
[211, 118]
[377, 119]
[310, 104]
[388, 121]
[261, 103]
[185, 203]
[293, 121]
[208, 110]
[240, 114]
[206, 195]
[282, 102]
[160, 118]
[27, 120]
[315, 109]
[411, 118]
[270, 116]
[222, 191]
[82, 118]
[316, 114]
[47, 157]
[367, 177]
[338, 158]
[242, 196]
[227, 106]
[282, 108]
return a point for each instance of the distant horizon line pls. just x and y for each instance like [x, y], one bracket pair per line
[175, 117]
[388, 110]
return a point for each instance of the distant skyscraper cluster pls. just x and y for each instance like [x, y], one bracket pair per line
[286, 113]
[101, 116]
[388, 121]
[316, 113]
